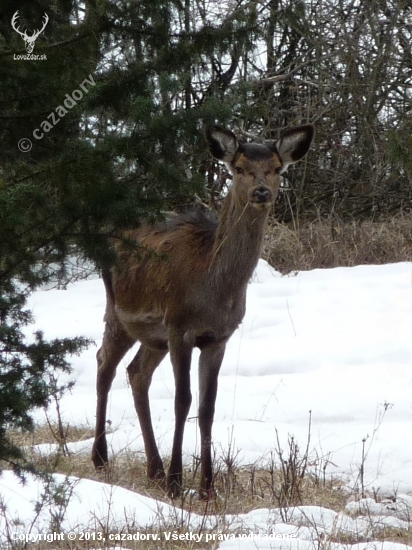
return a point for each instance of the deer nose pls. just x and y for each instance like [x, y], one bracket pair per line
[262, 194]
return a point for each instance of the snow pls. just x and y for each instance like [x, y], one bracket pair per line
[336, 342]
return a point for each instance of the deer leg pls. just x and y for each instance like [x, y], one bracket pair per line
[181, 356]
[116, 342]
[140, 372]
[211, 358]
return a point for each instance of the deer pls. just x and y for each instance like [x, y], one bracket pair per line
[29, 40]
[190, 293]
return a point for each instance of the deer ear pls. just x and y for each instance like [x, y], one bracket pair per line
[222, 143]
[294, 144]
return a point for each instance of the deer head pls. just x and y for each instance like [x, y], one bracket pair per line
[29, 40]
[256, 167]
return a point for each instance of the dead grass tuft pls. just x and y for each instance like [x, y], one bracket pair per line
[331, 243]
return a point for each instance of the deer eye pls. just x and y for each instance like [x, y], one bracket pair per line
[239, 170]
[278, 170]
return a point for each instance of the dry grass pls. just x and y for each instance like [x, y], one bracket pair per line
[332, 243]
[47, 433]
[241, 488]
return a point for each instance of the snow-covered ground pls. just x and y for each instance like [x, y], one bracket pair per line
[336, 342]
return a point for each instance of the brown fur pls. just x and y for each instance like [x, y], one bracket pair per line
[190, 291]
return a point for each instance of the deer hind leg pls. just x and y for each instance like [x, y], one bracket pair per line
[116, 342]
[211, 358]
[140, 372]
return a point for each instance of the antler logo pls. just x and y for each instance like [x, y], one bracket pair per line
[29, 40]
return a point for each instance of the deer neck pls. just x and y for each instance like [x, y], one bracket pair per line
[238, 243]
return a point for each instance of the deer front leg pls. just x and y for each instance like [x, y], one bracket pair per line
[181, 356]
[211, 358]
[140, 372]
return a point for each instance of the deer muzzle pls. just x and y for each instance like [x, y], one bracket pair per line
[262, 194]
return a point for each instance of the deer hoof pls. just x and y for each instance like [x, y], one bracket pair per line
[100, 458]
[174, 486]
[207, 495]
